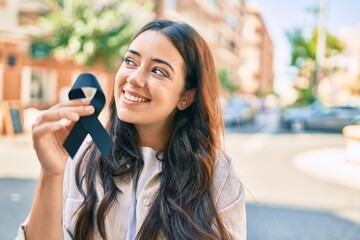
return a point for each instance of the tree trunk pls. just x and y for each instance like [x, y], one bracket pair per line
[159, 9]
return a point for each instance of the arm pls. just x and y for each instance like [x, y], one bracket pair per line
[45, 220]
[229, 196]
[46, 214]
[234, 216]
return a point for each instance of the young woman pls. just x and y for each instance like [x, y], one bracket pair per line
[166, 177]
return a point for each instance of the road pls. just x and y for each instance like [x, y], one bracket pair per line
[283, 203]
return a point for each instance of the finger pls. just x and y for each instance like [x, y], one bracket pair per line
[69, 125]
[48, 127]
[70, 113]
[75, 102]
[56, 115]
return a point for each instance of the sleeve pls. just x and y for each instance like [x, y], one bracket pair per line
[22, 227]
[230, 198]
[69, 188]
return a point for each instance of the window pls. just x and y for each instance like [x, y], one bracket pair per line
[38, 86]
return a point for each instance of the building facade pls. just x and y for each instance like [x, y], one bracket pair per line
[219, 22]
[236, 34]
[28, 83]
[256, 72]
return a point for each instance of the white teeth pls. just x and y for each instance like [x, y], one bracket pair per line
[134, 99]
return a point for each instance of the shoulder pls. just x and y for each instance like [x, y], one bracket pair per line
[229, 196]
[227, 186]
[224, 171]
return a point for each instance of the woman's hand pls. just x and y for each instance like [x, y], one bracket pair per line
[50, 131]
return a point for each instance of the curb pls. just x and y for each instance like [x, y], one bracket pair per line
[329, 164]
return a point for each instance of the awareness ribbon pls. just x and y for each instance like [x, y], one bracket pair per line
[88, 124]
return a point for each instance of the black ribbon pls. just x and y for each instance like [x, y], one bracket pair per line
[88, 124]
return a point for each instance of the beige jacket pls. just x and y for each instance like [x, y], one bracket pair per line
[228, 192]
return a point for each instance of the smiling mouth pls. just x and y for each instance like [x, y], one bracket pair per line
[132, 98]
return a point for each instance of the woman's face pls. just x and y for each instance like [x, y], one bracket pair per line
[149, 85]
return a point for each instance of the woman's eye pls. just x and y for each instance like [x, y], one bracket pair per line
[159, 72]
[129, 62]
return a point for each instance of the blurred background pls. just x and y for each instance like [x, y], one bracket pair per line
[290, 92]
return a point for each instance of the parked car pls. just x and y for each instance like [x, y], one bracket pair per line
[238, 112]
[356, 120]
[319, 117]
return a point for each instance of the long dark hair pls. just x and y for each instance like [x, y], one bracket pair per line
[183, 207]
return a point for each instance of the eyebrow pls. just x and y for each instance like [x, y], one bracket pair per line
[158, 60]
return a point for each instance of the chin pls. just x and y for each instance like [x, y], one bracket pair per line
[125, 117]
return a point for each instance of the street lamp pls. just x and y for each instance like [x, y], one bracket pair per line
[321, 43]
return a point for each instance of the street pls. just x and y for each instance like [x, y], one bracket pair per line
[283, 202]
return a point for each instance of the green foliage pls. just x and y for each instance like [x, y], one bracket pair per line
[303, 49]
[355, 88]
[85, 31]
[225, 81]
[306, 96]
[303, 57]
[265, 92]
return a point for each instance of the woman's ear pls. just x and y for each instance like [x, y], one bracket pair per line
[187, 98]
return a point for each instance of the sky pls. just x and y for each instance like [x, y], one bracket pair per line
[283, 15]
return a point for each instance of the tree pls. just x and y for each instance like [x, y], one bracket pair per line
[355, 88]
[225, 81]
[86, 31]
[303, 57]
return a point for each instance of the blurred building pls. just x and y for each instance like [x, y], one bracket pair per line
[221, 23]
[36, 83]
[236, 34]
[256, 73]
[32, 84]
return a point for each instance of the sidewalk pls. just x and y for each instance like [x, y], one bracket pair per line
[329, 164]
[18, 160]
[17, 157]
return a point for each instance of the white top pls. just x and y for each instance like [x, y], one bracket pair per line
[151, 165]
[128, 212]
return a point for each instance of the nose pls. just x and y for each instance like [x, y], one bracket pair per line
[137, 78]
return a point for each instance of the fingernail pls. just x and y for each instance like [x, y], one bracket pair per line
[89, 108]
[64, 122]
[74, 116]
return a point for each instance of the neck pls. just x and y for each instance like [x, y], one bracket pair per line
[155, 138]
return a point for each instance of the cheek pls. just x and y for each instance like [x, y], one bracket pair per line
[168, 98]
[120, 79]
